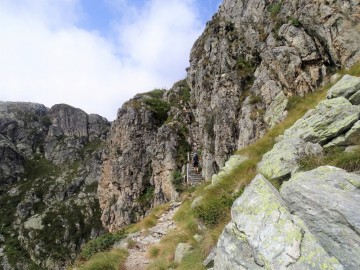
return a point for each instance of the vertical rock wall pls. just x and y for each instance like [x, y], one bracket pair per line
[253, 56]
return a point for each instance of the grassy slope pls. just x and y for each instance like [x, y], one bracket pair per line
[214, 210]
[215, 201]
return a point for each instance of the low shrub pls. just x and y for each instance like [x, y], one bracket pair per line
[113, 260]
[177, 180]
[101, 243]
[349, 161]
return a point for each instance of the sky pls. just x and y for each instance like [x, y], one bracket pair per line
[95, 54]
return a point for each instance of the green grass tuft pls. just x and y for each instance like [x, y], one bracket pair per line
[349, 161]
[113, 260]
[101, 243]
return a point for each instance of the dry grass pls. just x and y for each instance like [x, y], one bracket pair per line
[225, 192]
[150, 220]
[112, 260]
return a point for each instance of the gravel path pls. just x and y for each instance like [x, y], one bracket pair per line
[137, 259]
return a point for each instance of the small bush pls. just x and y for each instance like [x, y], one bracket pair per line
[101, 243]
[211, 212]
[244, 67]
[295, 22]
[177, 180]
[113, 260]
[147, 196]
[159, 108]
[274, 9]
[153, 252]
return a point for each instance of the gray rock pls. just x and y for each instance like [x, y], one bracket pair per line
[352, 137]
[337, 142]
[11, 162]
[182, 249]
[196, 202]
[230, 165]
[209, 261]
[35, 223]
[353, 148]
[264, 234]
[285, 156]
[327, 199]
[282, 56]
[346, 87]
[329, 119]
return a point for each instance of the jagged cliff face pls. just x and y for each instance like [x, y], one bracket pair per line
[251, 59]
[50, 165]
[253, 56]
[313, 221]
[146, 143]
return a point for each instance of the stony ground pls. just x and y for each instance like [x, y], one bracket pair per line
[140, 241]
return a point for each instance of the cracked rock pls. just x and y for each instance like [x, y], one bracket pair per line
[264, 234]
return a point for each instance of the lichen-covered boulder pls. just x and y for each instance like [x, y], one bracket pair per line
[233, 162]
[284, 158]
[264, 234]
[329, 119]
[346, 87]
[328, 199]
[352, 137]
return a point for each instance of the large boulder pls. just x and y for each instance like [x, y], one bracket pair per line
[264, 234]
[329, 119]
[284, 158]
[328, 199]
[233, 162]
[346, 87]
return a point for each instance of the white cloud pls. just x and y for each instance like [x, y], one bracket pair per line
[46, 58]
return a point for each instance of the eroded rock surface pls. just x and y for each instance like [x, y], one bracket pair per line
[50, 165]
[263, 233]
[327, 199]
[253, 56]
[146, 144]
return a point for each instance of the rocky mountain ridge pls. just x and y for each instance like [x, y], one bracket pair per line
[63, 171]
[251, 59]
[50, 167]
[313, 222]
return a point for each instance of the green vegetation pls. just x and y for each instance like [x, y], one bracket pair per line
[244, 67]
[349, 161]
[40, 167]
[209, 125]
[112, 260]
[210, 212]
[295, 22]
[153, 101]
[182, 94]
[101, 243]
[147, 196]
[274, 9]
[177, 180]
[149, 221]
[255, 99]
[214, 207]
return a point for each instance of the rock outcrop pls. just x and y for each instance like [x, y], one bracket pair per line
[315, 212]
[327, 199]
[253, 56]
[50, 165]
[333, 123]
[264, 233]
[146, 144]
